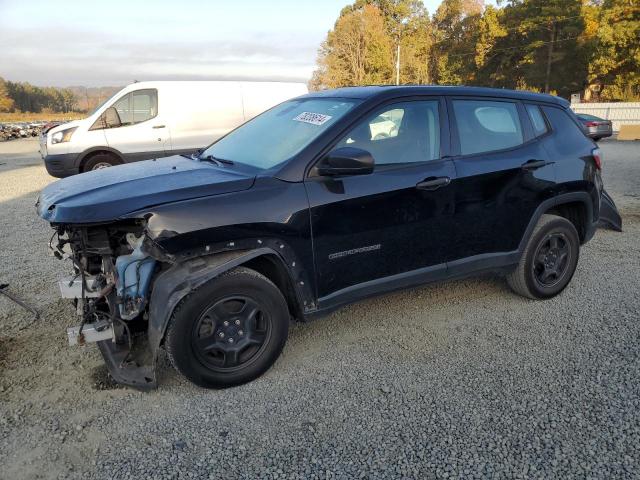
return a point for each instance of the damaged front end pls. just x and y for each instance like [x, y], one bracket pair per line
[113, 267]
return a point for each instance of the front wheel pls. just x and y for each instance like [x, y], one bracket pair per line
[229, 331]
[100, 161]
[549, 260]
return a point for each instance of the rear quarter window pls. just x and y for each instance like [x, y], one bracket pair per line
[537, 120]
[566, 129]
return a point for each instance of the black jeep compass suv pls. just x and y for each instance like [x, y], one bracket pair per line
[321, 201]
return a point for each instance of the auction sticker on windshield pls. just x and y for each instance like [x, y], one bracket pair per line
[313, 118]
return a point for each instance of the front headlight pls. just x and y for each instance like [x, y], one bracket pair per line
[63, 135]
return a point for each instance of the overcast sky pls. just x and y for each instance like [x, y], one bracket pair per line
[100, 43]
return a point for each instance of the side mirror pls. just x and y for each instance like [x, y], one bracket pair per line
[346, 161]
[111, 118]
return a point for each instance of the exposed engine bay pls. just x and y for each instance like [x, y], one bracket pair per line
[113, 267]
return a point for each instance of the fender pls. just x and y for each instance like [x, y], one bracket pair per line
[91, 150]
[172, 285]
[169, 288]
[582, 197]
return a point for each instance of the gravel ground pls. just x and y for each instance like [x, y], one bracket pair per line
[460, 379]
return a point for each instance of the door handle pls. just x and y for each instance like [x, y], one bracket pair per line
[433, 183]
[158, 126]
[535, 164]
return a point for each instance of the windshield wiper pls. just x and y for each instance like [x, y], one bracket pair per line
[218, 161]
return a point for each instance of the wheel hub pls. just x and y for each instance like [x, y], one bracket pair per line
[231, 331]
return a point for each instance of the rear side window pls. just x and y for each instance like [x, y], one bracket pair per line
[485, 126]
[565, 127]
[537, 120]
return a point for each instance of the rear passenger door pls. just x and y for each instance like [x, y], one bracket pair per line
[503, 174]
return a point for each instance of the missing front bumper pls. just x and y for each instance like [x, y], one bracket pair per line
[126, 367]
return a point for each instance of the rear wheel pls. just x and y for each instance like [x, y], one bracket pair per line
[549, 260]
[100, 161]
[229, 331]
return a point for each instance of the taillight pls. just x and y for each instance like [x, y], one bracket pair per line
[597, 157]
[592, 124]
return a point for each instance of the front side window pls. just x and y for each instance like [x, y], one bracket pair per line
[144, 105]
[485, 126]
[278, 134]
[123, 107]
[537, 120]
[138, 106]
[406, 132]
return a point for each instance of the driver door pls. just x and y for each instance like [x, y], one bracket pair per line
[386, 227]
[143, 133]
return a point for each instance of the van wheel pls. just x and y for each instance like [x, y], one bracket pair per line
[229, 331]
[100, 161]
[549, 260]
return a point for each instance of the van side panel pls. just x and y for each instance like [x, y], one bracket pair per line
[198, 113]
[261, 96]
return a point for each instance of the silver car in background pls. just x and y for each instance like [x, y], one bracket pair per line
[595, 127]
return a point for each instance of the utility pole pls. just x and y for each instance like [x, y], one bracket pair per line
[398, 63]
[403, 22]
[549, 55]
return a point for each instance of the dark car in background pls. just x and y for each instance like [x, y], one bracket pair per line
[595, 127]
[311, 206]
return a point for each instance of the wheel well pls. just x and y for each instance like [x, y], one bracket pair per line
[576, 213]
[89, 155]
[272, 268]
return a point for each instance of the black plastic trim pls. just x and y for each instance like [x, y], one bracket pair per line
[126, 372]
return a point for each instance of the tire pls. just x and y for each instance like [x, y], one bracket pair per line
[552, 238]
[204, 322]
[100, 161]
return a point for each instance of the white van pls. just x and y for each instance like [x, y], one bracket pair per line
[156, 119]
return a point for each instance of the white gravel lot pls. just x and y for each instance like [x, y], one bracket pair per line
[461, 379]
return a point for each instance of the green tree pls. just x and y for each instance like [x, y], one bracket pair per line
[615, 63]
[456, 27]
[357, 51]
[6, 102]
[556, 46]
[29, 98]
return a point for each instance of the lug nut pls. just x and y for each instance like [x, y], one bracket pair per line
[221, 335]
[237, 322]
[225, 323]
[240, 332]
[231, 340]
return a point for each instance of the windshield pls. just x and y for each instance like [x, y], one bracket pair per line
[101, 104]
[280, 133]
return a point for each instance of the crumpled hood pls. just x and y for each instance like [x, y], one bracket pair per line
[110, 193]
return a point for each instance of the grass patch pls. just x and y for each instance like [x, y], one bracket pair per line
[40, 117]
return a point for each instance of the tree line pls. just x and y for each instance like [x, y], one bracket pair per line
[555, 46]
[24, 97]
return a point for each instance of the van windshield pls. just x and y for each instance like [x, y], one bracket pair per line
[278, 134]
